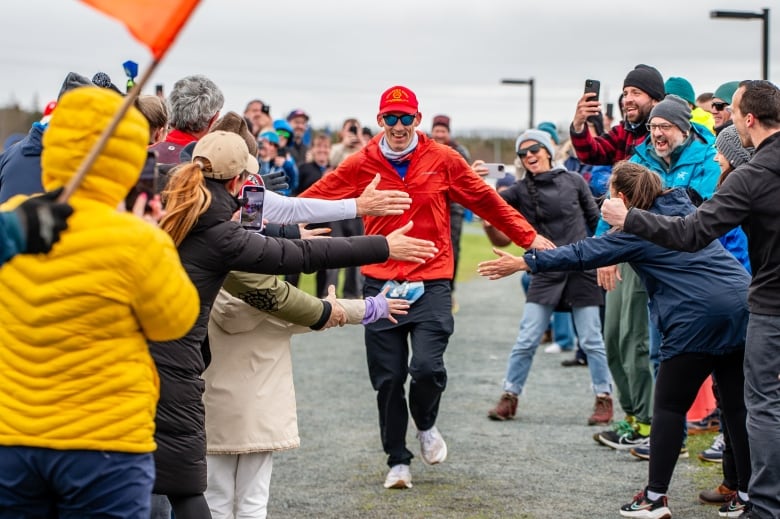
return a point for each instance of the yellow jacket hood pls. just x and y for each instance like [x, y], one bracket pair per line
[76, 124]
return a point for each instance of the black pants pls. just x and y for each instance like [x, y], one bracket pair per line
[678, 382]
[429, 325]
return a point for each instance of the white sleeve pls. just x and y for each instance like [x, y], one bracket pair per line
[283, 209]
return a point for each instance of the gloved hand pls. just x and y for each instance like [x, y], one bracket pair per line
[43, 219]
[275, 181]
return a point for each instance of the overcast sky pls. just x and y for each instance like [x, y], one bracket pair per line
[334, 58]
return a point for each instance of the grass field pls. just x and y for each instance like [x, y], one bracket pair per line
[474, 247]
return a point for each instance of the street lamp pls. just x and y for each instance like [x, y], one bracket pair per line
[747, 15]
[530, 83]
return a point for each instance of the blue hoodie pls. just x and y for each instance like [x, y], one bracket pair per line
[698, 300]
[20, 166]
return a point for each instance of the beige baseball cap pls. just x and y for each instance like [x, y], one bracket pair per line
[227, 153]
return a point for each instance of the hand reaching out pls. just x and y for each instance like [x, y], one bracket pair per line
[338, 316]
[541, 243]
[614, 212]
[406, 248]
[506, 264]
[375, 202]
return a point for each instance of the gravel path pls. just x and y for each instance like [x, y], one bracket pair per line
[542, 465]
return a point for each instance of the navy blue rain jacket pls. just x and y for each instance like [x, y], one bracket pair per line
[697, 300]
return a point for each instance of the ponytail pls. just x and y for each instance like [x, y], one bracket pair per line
[185, 198]
[639, 185]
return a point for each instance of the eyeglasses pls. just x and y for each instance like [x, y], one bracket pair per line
[719, 106]
[533, 148]
[392, 120]
[665, 127]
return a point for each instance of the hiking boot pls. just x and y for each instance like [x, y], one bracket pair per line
[505, 409]
[622, 438]
[602, 411]
[644, 508]
[643, 452]
[710, 423]
[433, 449]
[399, 477]
[715, 453]
[721, 494]
[570, 363]
[546, 337]
[734, 508]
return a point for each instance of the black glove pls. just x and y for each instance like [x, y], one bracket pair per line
[43, 219]
[275, 181]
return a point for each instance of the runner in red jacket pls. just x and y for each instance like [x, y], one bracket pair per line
[433, 174]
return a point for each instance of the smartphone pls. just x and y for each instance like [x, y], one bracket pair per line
[593, 86]
[495, 170]
[251, 217]
[148, 182]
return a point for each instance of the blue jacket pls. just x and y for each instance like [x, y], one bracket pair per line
[693, 164]
[20, 166]
[697, 300]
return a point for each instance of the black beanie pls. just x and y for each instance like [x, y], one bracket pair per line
[646, 79]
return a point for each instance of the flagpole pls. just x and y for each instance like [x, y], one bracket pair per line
[89, 160]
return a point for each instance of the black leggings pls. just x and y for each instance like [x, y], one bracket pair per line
[678, 382]
[190, 507]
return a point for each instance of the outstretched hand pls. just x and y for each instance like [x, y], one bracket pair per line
[375, 202]
[406, 248]
[338, 316]
[506, 264]
[394, 306]
[614, 212]
[541, 243]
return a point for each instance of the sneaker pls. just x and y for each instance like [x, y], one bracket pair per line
[643, 508]
[721, 494]
[643, 452]
[715, 453]
[623, 425]
[710, 423]
[553, 347]
[433, 449]
[505, 408]
[602, 411]
[734, 508]
[399, 477]
[623, 439]
[570, 363]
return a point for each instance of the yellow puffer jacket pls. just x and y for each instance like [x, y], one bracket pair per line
[75, 370]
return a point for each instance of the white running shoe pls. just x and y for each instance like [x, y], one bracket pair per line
[433, 449]
[553, 347]
[399, 477]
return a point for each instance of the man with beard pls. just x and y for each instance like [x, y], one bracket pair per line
[626, 331]
[680, 152]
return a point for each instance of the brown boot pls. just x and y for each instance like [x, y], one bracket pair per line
[602, 411]
[718, 496]
[505, 409]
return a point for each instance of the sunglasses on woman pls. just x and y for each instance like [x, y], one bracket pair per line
[533, 148]
[392, 120]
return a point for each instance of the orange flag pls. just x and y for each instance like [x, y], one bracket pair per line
[155, 23]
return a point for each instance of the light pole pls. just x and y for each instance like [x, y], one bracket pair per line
[530, 83]
[747, 15]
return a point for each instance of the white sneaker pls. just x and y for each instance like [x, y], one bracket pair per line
[399, 477]
[553, 347]
[433, 449]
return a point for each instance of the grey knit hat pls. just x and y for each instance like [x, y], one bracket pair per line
[539, 136]
[675, 110]
[729, 145]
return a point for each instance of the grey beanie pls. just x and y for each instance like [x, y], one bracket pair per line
[729, 145]
[539, 136]
[675, 110]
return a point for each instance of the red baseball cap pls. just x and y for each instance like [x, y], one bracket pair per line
[398, 99]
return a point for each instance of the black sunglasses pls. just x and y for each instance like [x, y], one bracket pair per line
[392, 120]
[719, 106]
[533, 148]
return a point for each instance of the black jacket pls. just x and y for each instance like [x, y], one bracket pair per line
[214, 247]
[750, 197]
[563, 211]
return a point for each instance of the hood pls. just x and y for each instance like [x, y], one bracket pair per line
[32, 145]
[673, 203]
[75, 127]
